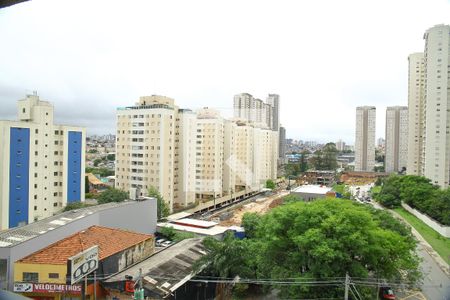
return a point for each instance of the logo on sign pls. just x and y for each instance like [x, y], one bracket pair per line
[85, 269]
[83, 264]
[23, 287]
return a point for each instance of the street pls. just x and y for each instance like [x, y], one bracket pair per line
[436, 284]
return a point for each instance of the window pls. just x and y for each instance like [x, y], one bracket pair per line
[23, 110]
[53, 275]
[30, 277]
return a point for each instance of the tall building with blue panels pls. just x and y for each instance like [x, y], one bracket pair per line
[19, 160]
[74, 167]
[41, 164]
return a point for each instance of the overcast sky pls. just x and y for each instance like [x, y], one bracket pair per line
[323, 58]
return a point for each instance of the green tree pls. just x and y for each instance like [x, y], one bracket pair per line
[325, 159]
[270, 184]
[321, 239]
[111, 157]
[389, 196]
[163, 207]
[75, 205]
[304, 161]
[112, 195]
[175, 236]
[250, 222]
[97, 161]
[103, 172]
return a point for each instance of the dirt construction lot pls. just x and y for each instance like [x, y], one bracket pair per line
[260, 206]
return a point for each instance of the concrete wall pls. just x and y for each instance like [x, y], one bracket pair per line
[443, 230]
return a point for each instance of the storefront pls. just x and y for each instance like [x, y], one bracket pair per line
[48, 291]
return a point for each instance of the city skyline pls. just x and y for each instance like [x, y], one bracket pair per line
[87, 71]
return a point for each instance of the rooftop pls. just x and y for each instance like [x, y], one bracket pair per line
[17, 235]
[194, 223]
[212, 231]
[312, 189]
[109, 241]
[166, 270]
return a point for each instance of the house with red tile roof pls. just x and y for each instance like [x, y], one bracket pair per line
[118, 249]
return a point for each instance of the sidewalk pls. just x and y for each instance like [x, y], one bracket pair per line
[439, 261]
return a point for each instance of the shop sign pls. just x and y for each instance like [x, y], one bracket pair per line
[83, 264]
[25, 287]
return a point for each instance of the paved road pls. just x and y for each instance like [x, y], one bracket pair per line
[436, 284]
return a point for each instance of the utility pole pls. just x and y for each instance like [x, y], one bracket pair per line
[95, 285]
[347, 282]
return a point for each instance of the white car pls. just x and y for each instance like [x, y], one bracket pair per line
[166, 243]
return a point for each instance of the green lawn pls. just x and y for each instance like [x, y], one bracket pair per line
[439, 243]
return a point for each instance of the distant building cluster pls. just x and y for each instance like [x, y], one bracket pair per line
[417, 137]
[193, 156]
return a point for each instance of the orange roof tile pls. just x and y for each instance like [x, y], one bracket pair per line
[109, 241]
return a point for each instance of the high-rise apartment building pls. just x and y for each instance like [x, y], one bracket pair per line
[41, 164]
[264, 115]
[436, 159]
[209, 154]
[186, 158]
[340, 145]
[274, 101]
[282, 143]
[365, 138]
[416, 125]
[145, 147]
[396, 145]
[191, 156]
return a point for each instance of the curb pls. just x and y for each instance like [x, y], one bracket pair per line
[439, 261]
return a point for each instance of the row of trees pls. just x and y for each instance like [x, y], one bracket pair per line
[316, 241]
[325, 159]
[417, 192]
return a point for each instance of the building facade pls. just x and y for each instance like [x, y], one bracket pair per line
[274, 101]
[416, 82]
[282, 144]
[396, 145]
[192, 157]
[264, 115]
[436, 159]
[365, 138]
[41, 164]
[145, 147]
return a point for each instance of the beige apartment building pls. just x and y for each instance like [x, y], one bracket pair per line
[396, 144]
[41, 164]
[145, 147]
[190, 156]
[436, 159]
[209, 155]
[416, 125]
[365, 138]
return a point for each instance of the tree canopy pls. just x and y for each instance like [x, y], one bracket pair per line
[418, 192]
[320, 240]
[163, 208]
[112, 195]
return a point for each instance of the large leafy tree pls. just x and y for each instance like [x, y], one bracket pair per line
[112, 195]
[163, 207]
[321, 240]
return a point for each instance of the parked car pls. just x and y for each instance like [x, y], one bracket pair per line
[159, 242]
[166, 243]
[386, 293]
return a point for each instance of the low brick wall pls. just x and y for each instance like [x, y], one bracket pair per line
[443, 230]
